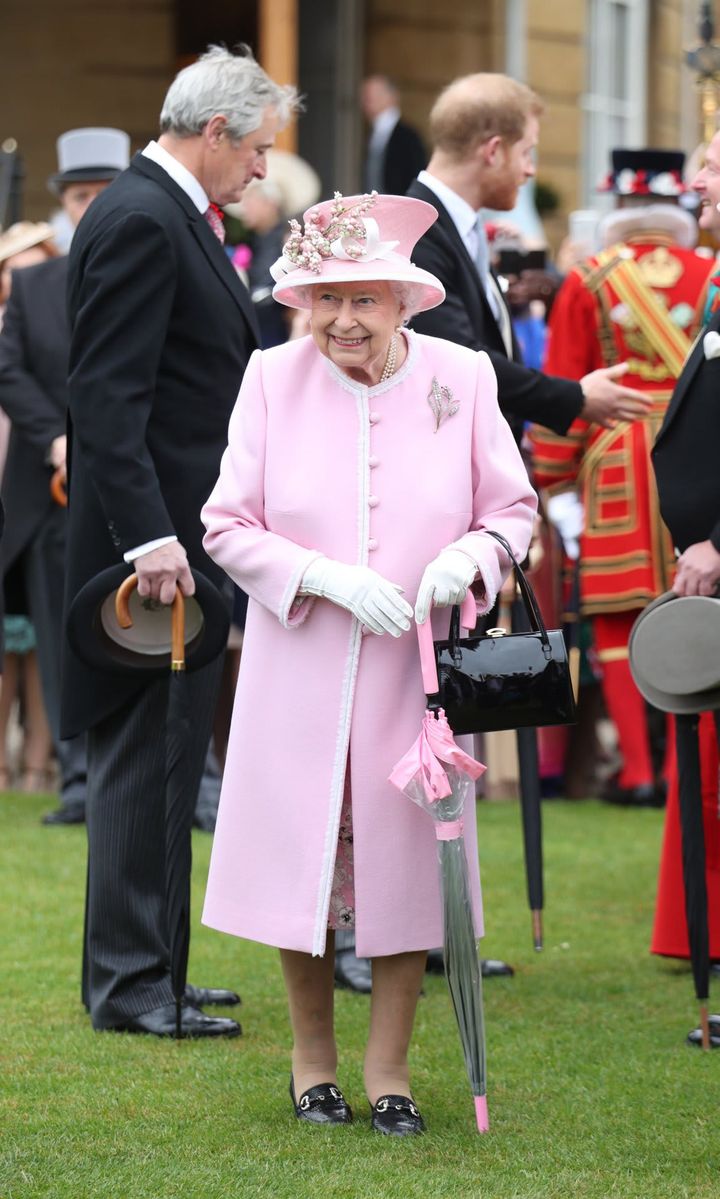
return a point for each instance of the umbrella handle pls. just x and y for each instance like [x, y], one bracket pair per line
[428, 665]
[124, 619]
[57, 488]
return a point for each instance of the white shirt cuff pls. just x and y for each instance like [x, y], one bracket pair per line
[139, 550]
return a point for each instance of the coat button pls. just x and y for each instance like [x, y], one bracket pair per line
[373, 501]
[373, 461]
[372, 543]
[374, 417]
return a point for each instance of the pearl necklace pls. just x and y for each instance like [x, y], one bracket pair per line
[390, 361]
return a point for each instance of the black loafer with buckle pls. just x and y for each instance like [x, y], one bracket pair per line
[324, 1104]
[397, 1116]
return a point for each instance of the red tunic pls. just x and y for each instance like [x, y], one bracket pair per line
[626, 554]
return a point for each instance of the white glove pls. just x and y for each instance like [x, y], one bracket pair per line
[376, 602]
[445, 582]
[567, 513]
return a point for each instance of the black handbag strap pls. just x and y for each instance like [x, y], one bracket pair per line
[532, 608]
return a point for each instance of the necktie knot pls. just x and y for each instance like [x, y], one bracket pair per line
[213, 216]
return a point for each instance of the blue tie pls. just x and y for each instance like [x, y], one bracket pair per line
[482, 264]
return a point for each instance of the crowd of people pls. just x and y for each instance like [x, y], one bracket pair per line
[253, 415]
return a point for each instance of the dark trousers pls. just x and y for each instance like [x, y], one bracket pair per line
[126, 962]
[43, 568]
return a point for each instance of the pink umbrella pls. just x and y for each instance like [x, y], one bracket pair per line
[438, 776]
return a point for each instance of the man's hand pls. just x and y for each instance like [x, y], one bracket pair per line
[161, 570]
[698, 570]
[607, 402]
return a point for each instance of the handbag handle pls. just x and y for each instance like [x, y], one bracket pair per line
[428, 665]
[534, 615]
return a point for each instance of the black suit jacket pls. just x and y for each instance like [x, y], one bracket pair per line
[466, 317]
[34, 345]
[685, 455]
[403, 159]
[162, 330]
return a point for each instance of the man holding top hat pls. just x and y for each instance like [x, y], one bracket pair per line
[34, 347]
[688, 483]
[162, 332]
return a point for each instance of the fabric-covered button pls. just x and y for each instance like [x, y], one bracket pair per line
[373, 461]
[372, 543]
[373, 501]
[374, 417]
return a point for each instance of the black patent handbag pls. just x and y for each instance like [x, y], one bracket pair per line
[499, 680]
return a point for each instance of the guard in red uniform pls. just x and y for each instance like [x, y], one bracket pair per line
[639, 301]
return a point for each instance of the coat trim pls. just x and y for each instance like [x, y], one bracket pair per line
[355, 388]
[340, 761]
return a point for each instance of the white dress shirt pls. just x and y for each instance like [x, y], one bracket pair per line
[466, 221]
[196, 192]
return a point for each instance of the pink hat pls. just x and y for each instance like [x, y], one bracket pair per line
[342, 243]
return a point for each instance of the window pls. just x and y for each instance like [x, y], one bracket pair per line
[615, 101]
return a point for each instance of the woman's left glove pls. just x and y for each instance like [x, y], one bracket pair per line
[445, 582]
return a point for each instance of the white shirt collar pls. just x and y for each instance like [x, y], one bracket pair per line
[462, 215]
[181, 175]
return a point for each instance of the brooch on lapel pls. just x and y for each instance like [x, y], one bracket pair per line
[442, 402]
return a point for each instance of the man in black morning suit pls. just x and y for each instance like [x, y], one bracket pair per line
[395, 152]
[162, 332]
[484, 130]
[34, 346]
[685, 455]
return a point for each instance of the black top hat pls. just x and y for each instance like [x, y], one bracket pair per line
[144, 648]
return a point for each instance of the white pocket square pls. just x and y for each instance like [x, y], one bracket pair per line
[711, 345]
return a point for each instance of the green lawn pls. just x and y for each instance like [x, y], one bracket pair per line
[592, 1090]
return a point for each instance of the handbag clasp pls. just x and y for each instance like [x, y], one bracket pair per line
[496, 632]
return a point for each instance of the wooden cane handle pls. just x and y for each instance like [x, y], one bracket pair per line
[57, 488]
[177, 628]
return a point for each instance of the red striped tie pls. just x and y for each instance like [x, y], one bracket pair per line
[213, 216]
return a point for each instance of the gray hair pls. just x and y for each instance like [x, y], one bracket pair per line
[408, 295]
[232, 85]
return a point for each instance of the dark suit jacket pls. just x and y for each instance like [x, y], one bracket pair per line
[685, 455]
[162, 332]
[404, 158]
[466, 317]
[34, 347]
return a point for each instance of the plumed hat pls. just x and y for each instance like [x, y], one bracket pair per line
[645, 173]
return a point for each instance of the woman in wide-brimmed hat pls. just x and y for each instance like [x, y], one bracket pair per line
[363, 464]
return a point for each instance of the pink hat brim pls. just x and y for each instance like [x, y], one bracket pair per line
[430, 290]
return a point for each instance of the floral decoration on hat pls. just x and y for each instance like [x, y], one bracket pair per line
[348, 235]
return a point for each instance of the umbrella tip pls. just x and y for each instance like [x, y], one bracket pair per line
[481, 1113]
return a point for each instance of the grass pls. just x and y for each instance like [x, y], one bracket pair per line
[592, 1091]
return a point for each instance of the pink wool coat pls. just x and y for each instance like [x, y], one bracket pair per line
[319, 464]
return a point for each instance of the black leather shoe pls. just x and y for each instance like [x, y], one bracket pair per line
[352, 972]
[210, 997]
[695, 1037]
[160, 1022]
[397, 1116]
[489, 967]
[324, 1104]
[647, 795]
[72, 813]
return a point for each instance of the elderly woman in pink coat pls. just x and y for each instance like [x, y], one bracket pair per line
[364, 464]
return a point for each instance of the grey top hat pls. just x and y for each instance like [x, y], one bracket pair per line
[675, 653]
[90, 155]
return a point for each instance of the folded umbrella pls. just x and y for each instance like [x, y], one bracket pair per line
[179, 798]
[438, 776]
